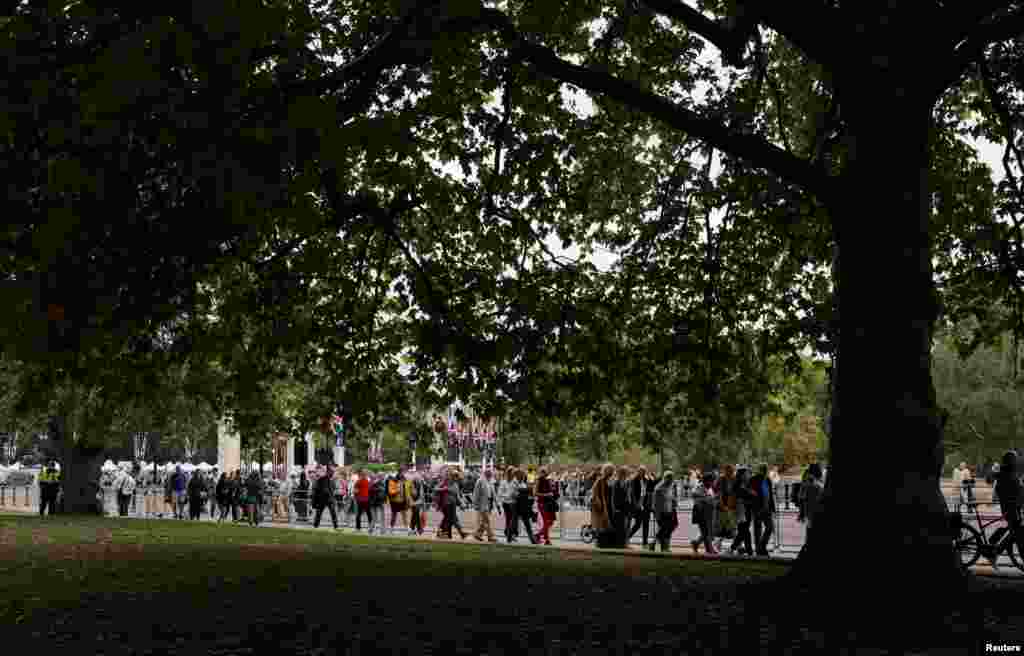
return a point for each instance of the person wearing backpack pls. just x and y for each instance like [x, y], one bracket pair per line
[362, 494]
[378, 499]
[398, 498]
[324, 490]
[417, 503]
[125, 486]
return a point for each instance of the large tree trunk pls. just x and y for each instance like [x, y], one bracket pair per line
[883, 535]
[79, 470]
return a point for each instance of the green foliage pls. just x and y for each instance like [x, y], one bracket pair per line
[983, 394]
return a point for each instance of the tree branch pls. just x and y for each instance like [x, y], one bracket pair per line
[811, 27]
[759, 152]
[973, 47]
[805, 24]
[731, 41]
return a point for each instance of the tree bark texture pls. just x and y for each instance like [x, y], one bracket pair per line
[883, 533]
[80, 470]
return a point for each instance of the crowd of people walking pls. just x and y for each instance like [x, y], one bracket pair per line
[735, 504]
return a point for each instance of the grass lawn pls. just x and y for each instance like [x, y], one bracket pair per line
[120, 586]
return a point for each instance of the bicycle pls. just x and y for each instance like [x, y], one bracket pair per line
[971, 543]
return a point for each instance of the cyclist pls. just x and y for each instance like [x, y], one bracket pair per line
[1008, 487]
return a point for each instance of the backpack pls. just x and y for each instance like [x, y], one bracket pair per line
[378, 493]
[396, 490]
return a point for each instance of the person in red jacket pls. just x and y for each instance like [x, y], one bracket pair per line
[362, 500]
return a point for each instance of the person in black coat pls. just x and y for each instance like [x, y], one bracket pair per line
[223, 495]
[196, 487]
[642, 498]
[620, 507]
[764, 509]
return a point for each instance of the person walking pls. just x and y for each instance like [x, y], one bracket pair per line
[362, 490]
[483, 503]
[1008, 487]
[744, 507]
[455, 503]
[507, 492]
[444, 529]
[620, 506]
[547, 504]
[726, 528]
[254, 498]
[601, 507]
[398, 498]
[222, 493]
[417, 500]
[301, 494]
[196, 487]
[378, 499]
[125, 486]
[211, 492]
[665, 504]
[812, 494]
[179, 495]
[641, 500]
[704, 504]
[764, 510]
[524, 506]
[323, 497]
[49, 485]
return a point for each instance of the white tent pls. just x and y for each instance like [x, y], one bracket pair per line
[109, 466]
[204, 466]
[171, 466]
[188, 467]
